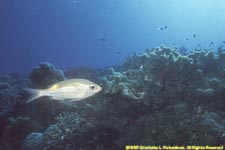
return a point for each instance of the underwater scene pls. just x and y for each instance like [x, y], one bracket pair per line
[112, 74]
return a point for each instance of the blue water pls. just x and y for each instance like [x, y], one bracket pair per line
[101, 33]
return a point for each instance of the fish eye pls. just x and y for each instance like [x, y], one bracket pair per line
[92, 87]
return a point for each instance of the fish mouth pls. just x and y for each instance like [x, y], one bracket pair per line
[100, 88]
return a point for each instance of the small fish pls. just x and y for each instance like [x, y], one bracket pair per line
[118, 52]
[162, 28]
[103, 39]
[194, 35]
[72, 89]
[211, 44]
[27, 52]
[223, 42]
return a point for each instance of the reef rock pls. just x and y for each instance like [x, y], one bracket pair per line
[121, 84]
[160, 97]
[72, 131]
[45, 74]
[214, 123]
[32, 141]
[17, 131]
[11, 97]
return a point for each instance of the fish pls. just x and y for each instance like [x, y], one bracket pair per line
[162, 28]
[71, 89]
[103, 39]
[210, 44]
[27, 52]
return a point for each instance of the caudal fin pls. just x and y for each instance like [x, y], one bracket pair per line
[35, 93]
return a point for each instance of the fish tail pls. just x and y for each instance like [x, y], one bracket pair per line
[35, 93]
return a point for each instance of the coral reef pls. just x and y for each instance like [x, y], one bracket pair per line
[155, 78]
[9, 95]
[118, 83]
[17, 131]
[186, 86]
[45, 74]
[72, 131]
[11, 98]
[160, 97]
[32, 141]
[12, 104]
[214, 123]
[41, 77]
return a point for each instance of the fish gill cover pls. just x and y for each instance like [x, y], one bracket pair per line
[165, 95]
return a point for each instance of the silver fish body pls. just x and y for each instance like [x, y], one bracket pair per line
[72, 89]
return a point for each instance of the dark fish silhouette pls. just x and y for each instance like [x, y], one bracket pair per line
[211, 44]
[223, 42]
[27, 52]
[194, 35]
[162, 28]
[118, 52]
[103, 39]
